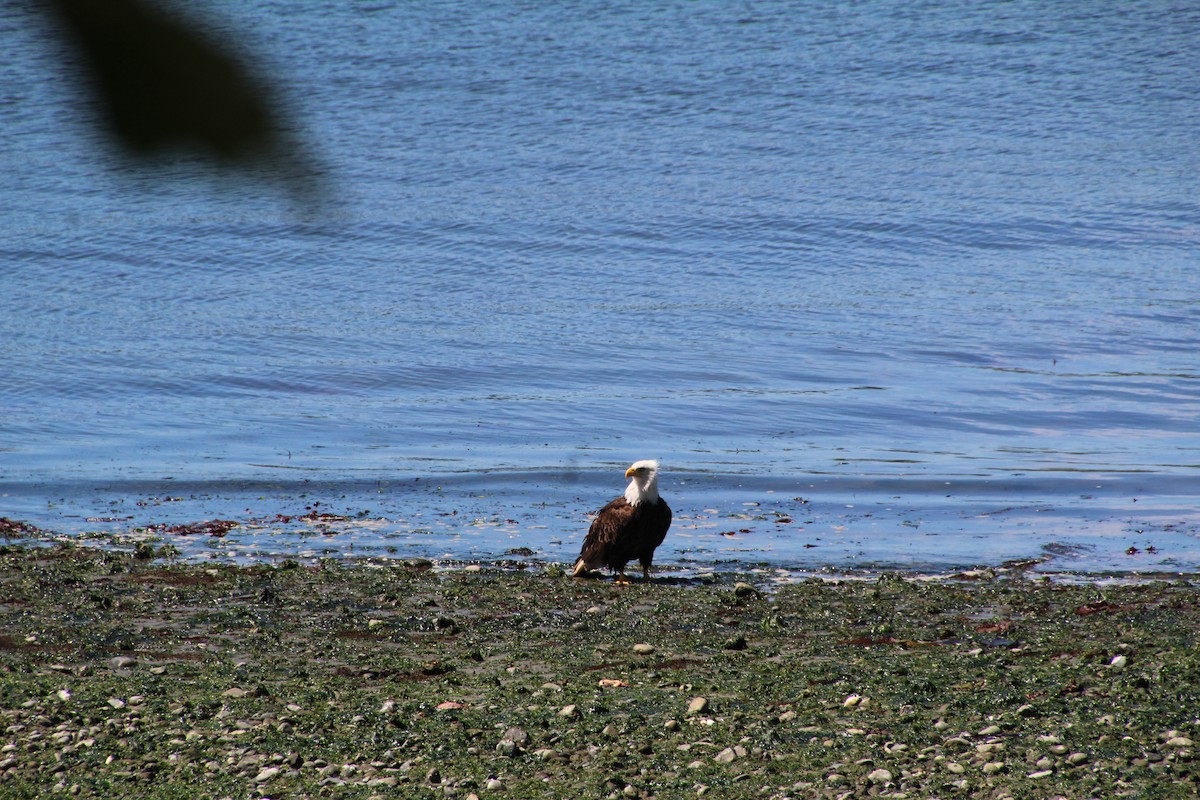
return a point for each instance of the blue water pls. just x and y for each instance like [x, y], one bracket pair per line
[931, 267]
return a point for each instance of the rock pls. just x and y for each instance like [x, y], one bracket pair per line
[266, 774]
[736, 643]
[433, 776]
[742, 589]
[517, 735]
[852, 701]
[1076, 759]
[493, 785]
[698, 705]
[610, 731]
[726, 756]
[643, 649]
[513, 743]
[116, 703]
[992, 767]
[123, 662]
[1118, 663]
[1027, 711]
[472, 568]
[990, 730]
[569, 711]
[671, 724]
[955, 767]
[880, 776]
[1041, 773]
[1179, 741]
[235, 693]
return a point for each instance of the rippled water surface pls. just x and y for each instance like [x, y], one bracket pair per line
[919, 279]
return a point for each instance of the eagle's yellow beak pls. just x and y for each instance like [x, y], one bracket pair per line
[629, 473]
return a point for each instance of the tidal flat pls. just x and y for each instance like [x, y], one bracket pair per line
[133, 675]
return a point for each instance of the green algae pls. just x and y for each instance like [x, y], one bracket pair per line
[134, 677]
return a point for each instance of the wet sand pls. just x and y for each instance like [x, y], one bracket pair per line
[137, 676]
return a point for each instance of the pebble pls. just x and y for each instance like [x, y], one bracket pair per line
[1077, 758]
[472, 568]
[992, 767]
[116, 702]
[123, 662]
[880, 776]
[266, 774]
[990, 730]
[1179, 741]
[698, 705]
[1118, 663]
[493, 785]
[742, 589]
[643, 649]
[726, 756]
[517, 735]
[569, 711]
[852, 701]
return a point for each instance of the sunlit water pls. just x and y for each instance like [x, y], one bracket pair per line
[919, 279]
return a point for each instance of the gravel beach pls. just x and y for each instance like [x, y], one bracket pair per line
[130, 675]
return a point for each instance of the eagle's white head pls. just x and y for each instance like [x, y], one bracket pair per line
[644, 484]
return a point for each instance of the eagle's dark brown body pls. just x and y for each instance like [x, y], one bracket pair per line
[621, 533]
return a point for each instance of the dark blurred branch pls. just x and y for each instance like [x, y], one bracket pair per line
[165, 85]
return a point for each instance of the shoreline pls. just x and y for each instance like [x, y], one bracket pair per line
[139, 677]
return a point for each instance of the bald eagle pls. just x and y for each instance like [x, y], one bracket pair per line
[629, 527]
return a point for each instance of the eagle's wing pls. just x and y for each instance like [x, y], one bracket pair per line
[603, 535]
